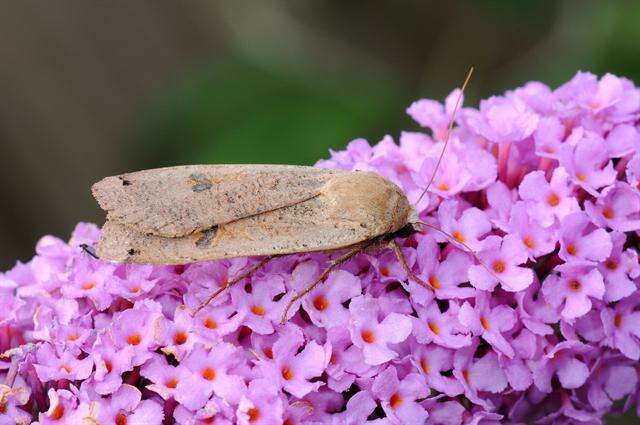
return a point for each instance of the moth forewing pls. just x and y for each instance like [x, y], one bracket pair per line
[347, 208]
[178, 201]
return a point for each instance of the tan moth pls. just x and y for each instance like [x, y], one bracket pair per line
[185, 214]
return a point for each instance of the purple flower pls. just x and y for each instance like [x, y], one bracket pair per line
[501, 259]
[504, 120]
[374, 336]
[583, 163]
[292, 370]
[468, 229]
[398, 397]
[581, 242]
[573, 290]
[617, 207]
[619, 269]
[431, 361]
[551, 199]
[622, 327]
[489, 322]
[433, 115]
[562, 361]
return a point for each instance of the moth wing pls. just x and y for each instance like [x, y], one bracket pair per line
[347, 211]
[178, 201]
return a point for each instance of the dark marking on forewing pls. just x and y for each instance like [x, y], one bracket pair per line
[124, 181]
[202, 182]
[207, 237]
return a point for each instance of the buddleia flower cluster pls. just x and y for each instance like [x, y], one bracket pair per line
[531, 314]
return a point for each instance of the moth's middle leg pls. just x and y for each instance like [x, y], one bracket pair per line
[403, 262]
[248, 272]
[335, 263]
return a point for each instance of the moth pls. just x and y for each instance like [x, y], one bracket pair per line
[185, 214]
[192, 213]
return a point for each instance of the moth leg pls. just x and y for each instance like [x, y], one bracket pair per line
[335, 263]
[403, 262]
[248, 272]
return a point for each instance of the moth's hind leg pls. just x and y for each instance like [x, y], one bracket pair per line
[403, 262]
[335, 263]
[248, 272]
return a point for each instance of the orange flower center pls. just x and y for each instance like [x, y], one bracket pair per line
[553, 200]
[253, 414]
[209, 374]
[465, 375]
[395, 401]
[287, 374]
[485, 323]
[443, 187]
[571, 249]
[180, 338]
[172, 383]
[574, 285]
[581, 177]
[108, 365]
[209, 323]
[57, 413]
[368, 336]
[424, 365]
[434, 282]
[268, 352]
[608, 213]
[88, 285]
[617, 320]
[134, 290]
[72, 337]
[528, 241]
[498, 266]
[257, 310]
[320, 303]
[134, 339]
[66, 368]
[384, 271]
[333, 359]
[458, 236]
[611, 264]
[121, 419]
[434, 327]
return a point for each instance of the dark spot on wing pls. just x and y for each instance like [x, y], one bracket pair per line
[202, 182]
[132, 251]
[207, 237]
[124, 181]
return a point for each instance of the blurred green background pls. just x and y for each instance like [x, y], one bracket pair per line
[93, 88]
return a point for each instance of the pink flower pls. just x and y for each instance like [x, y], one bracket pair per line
[489, 322]
[261, 405]
[433, 115]
[583, 163]
[573, 290]
[259, 308]
[374, 336]
[478, 374]
[324, 304]
[552, 200]
[52, 366]
[504, 120]
[211, 372]
[431, 360]
[398, 397]
[468, 229]
[442, 328]
[124, 407]
[619, 269]
[581, 242]
[622, 327]
[537, 240]
[617, 207]
[110, 363]
[500, 264]
[292, 371]
[561, 361]
[138, 328]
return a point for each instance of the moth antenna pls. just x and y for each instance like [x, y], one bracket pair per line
[466, 247]
[448, 134]
[89, 250]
